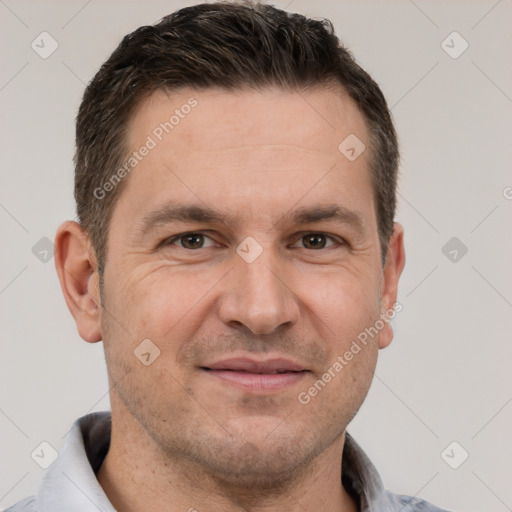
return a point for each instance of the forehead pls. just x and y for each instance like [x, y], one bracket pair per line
[261, 148]
[252, 116]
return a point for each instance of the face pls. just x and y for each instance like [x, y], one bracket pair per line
[244, 246]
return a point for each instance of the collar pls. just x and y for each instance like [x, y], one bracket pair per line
[70, 482]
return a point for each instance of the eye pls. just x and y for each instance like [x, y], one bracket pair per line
[318, 241]
[190, 241]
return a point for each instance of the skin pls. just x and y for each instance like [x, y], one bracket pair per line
[181, 438]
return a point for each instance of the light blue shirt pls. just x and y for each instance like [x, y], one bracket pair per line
[70, 483]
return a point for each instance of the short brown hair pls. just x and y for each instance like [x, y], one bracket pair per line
[231, 46]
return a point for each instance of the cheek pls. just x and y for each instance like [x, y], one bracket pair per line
[344, 311]
[343, 305]
[164, 301]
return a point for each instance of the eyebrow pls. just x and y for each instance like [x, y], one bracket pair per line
[180, 213]
[333, 212]
[170, 213]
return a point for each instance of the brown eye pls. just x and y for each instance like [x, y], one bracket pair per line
[317, 241]
[314, 241]
[191, 241]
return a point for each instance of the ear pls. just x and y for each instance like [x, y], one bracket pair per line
[395, 261]
[77, 268]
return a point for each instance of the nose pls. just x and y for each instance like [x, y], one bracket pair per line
[258, 297]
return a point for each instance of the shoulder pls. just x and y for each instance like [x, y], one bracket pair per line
[410, 504]
[26, 505]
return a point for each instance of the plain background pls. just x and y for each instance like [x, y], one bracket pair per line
[447, 375]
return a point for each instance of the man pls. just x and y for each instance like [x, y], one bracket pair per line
[236, 252]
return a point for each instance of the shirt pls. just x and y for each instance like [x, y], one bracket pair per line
[70, 483]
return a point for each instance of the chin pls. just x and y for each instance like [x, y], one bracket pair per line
[259, 452]
[252, 465]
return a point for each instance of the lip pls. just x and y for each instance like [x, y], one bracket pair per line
[257, 375]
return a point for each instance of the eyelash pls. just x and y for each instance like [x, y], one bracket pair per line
[170, 241]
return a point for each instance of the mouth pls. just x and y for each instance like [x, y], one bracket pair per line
[257, 376]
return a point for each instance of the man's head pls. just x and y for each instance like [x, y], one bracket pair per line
[244, 267]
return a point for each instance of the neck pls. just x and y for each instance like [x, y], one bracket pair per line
[137, 476]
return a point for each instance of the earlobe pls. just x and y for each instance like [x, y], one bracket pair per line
[76, 266]
[395, 261]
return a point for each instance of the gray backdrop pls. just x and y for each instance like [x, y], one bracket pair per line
[445, 68]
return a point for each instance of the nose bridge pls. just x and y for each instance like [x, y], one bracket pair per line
[263, 281]
[258, 296]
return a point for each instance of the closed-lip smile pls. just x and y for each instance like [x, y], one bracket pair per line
[256, 375]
